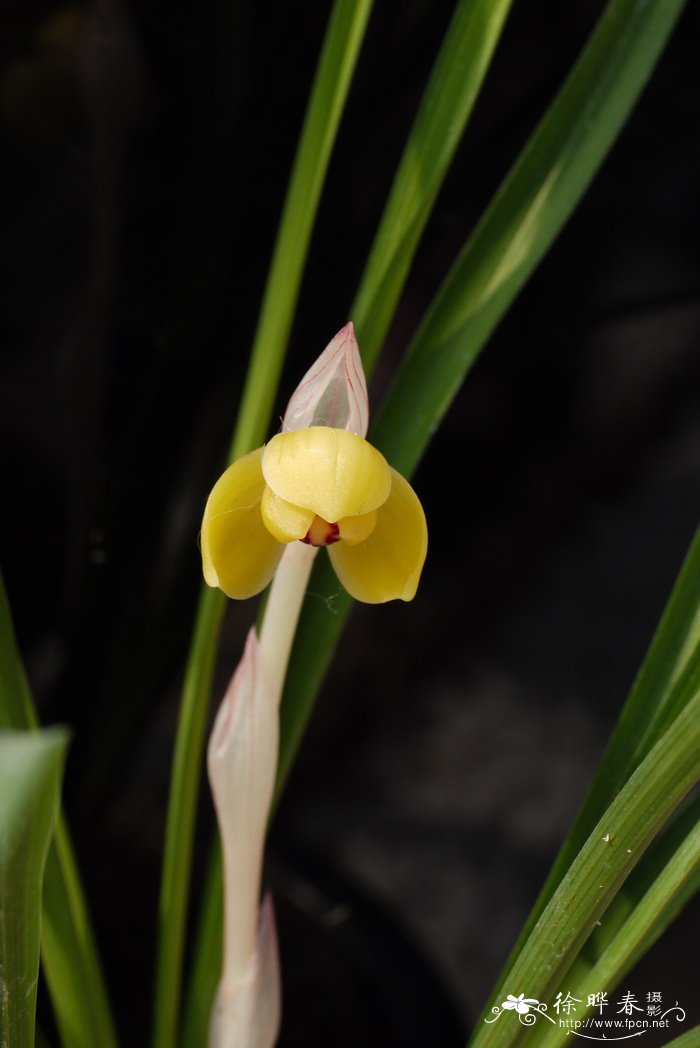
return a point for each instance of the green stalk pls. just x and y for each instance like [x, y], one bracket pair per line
[69, 955]
[336, 65]
[669, 676]
[660, 855]
[450, 95]
[615, 846]
[638, 932]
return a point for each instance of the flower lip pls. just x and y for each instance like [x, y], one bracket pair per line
[330, 471]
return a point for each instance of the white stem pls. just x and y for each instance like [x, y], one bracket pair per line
[283, 608]
[243, 754]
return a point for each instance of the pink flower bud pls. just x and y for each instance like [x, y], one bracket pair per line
[333, 392]
[242, 761]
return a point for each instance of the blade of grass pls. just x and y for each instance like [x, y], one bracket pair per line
[669, 676]
[70, 960]
[653, 897]
[341, 47]
[69, 955]
[454, 85]
[31, 766]
[207, 954]
[336, 66]
[691, 1039]
[659, 856]
[615, 846]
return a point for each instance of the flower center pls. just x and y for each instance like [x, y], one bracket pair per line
[321, 533]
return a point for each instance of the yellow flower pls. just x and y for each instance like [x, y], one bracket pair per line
[324, 486]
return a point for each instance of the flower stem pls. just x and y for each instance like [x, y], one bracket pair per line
[282, 611]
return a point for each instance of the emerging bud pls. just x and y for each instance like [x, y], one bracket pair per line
[242, 760]
[246, 1014]
[333, 392]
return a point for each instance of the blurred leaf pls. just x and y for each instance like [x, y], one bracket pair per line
[16, 709]
[31, 764]
[530, 208]
[691, 1039]
[614, 847]
[449, 98]
[70, 960]
[334, 73]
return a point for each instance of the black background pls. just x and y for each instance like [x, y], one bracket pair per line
[145, 151]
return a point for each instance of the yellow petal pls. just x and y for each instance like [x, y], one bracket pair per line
[283, 520]
[239, 555]
[356, 529]
[388, 564]
[330, 471]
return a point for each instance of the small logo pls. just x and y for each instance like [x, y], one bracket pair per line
[630, 1016]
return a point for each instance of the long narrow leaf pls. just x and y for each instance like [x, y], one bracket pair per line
[16, 707]
[614, 847]
[449, 98]
[660, 855]
[70, 960]
[638, 931]
[31, 765]
[335, 69]
[336, 66]
[669, 676]
[207, 953]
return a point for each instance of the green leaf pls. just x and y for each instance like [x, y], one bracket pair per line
[662, 854]
[614, 847]
[691, 1039]
[69, 954]
[31, 765]
[641, 928]
[528, 211]
[16, 707]
[336, 66]
[70, 961]
[207, 954]
[333, 76]
[449, 98]
[669, 677]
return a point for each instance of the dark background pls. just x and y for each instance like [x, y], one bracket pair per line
[145, 151]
